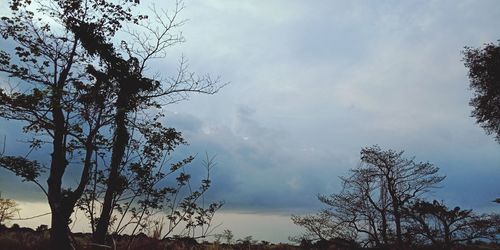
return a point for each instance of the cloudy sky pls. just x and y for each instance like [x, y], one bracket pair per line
[311, 83]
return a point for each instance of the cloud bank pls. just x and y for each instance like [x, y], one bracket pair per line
[313, 83]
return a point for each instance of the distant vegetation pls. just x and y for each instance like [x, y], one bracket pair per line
[8, 209]
[20, 238]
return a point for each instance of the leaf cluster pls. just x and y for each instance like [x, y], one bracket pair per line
[484, 74]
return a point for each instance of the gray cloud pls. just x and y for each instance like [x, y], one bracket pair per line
[311, 84]
[332, 77]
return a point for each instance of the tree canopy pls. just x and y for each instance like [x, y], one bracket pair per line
[484, 74]
[86, 96]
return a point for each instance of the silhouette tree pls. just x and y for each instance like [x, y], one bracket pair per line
[54, 96]
[445, 228]
[401, 179]
[363, 206]
[74, 85]
[227, 235]
[321, 226]
[375, 196]
[484, 74]
[8, 209]
[146, 193]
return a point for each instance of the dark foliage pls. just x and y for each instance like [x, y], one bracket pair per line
[484, 74]
[433, 223]
[84, 96]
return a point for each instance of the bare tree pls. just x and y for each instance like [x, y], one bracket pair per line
[364, 206]
[404, 179]
[376, 194]
[8, 209]
[321, 226]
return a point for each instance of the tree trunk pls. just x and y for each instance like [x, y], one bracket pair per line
[119, 145]
[384, 228]
[397, 221]
[396, 207]
[447, 236]
[59, 232]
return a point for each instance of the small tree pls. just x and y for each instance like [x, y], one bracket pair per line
[227, 236]
[433, 222]
[8, 209]
[42, 228]
[246, 242]
[321, 226]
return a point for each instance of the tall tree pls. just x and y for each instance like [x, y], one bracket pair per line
[484, 74]
[403, 179]
[51, 95]
[376, 195]
[135, 93]
[73, 83]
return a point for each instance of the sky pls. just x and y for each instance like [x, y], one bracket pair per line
[310, 84]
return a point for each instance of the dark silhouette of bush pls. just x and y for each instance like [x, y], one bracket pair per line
[42, 228]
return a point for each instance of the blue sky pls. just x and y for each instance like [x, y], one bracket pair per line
[312, 82]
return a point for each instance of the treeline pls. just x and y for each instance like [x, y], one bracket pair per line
[382, 204]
